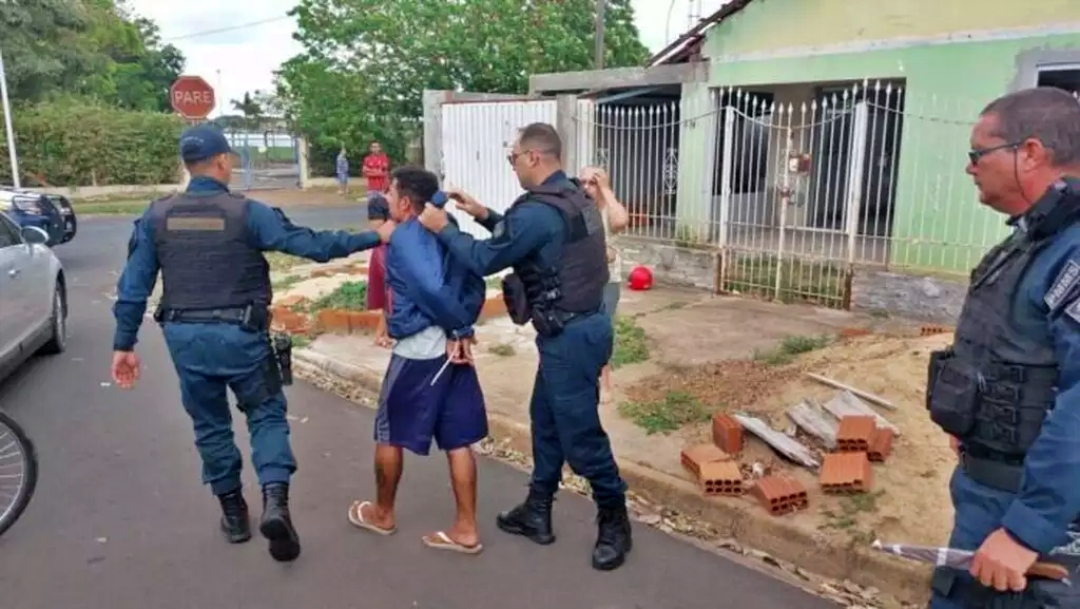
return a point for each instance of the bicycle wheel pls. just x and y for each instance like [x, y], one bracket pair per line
[18, 471]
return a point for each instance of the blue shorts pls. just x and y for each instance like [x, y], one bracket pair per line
[412, 411]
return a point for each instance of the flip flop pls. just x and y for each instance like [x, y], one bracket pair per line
[356, 517]
[441, 541]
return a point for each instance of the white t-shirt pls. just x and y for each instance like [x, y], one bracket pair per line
[615, 266]
[429, 343]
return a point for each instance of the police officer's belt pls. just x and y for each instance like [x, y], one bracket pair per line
[232, 315]
[995, 474]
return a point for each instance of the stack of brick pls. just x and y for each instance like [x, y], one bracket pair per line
[859, 442]
[714, 470]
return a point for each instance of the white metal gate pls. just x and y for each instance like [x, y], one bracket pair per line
[476, 138]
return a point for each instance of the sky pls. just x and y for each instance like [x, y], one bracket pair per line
[235, 57]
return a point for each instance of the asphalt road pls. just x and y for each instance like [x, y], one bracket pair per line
[121, 521]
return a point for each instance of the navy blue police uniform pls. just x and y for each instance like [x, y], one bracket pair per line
[1008, 389]
[208, 245]
[553, 238]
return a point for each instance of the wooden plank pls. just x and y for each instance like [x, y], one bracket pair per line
[869, 397]
[810, 418]
[781, 443]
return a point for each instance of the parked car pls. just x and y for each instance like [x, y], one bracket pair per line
[28, 208]
[67, 213]
[33, 295]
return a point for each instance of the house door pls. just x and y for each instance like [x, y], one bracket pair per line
[476, 138]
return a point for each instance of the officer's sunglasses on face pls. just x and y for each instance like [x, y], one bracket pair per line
[514, 156]
[976, 154]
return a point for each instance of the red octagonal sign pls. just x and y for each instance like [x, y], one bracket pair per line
[192, 97]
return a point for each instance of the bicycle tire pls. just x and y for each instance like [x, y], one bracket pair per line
[30, 463]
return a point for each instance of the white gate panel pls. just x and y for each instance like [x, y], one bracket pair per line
[477, 138]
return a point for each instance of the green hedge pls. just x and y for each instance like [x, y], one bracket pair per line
[73, 142]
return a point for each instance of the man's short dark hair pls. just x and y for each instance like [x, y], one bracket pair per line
[416, 183]
[542, 137]
[1047, 114]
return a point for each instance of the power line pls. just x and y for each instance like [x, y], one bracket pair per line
[231, 28]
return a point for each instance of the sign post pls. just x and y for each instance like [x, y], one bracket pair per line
[13, 157]
[192, 98]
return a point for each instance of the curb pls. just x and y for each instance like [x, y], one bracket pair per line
[907, 582]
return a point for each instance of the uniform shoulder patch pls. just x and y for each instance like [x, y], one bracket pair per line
[1063, 286]
[1073, 311]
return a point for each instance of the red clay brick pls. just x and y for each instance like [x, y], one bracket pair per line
[781, 495]
[333, 320]
[844, 473]
[285, 320]
[721, 478]
[855, 433]
[363, 321]
[855, 332]
[934, 329]
[694, 457]
[881, 444]
[727, 433]
[493, 307]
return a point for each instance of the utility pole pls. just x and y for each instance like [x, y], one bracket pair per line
[15, 181]
[598, 63]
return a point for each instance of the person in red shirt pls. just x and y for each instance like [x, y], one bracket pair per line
[377, 169]
[378, 214]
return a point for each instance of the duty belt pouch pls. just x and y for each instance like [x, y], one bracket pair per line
[952, 393]
[281, 344]
[517, 305]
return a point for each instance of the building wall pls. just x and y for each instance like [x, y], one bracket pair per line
[766, 26]
[937, 223]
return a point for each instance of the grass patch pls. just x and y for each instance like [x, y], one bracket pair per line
[300, 341]
[112, 207]
[790, 347]
[801, 281]
[493, 282]
[846, 519]
[675, 410]
[502, 350]
[287, 282]
[349, 296]
[631, 345]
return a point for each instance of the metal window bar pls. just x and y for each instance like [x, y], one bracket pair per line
[796, 188]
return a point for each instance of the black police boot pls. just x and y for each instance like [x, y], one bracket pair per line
[277, 525]
[614, 540]
[531, 519]
[235, 522]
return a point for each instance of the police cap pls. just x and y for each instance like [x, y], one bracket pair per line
[201, 142]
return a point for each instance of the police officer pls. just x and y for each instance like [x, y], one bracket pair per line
[208, 244]
[1008, 389]
[553, 237]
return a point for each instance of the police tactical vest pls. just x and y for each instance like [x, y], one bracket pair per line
[207, 260]
[995, 385]
[575, 284]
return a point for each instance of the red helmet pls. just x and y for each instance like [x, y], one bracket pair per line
[640, 278]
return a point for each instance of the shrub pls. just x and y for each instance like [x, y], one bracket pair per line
[77, 142]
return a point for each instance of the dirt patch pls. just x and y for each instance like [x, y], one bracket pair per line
[909, 501]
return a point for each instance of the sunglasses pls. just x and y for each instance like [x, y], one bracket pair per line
[514, 156]
[976, 154]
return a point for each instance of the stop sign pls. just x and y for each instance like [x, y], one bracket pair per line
[192, 97]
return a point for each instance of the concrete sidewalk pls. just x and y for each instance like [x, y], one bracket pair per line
[687, 328]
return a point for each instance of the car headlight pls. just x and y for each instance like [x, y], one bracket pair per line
[27, 205]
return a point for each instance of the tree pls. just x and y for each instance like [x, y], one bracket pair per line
[366, 63]
[250, 109]
[95, 48]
